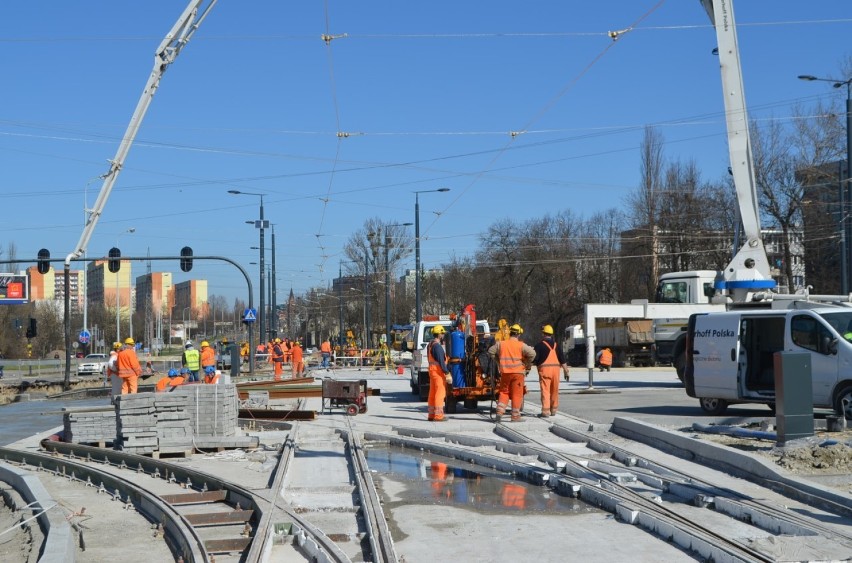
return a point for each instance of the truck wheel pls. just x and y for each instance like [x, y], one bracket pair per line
[843, 401]
[424, 392]
[352, 409]
[414, 389]
[680, 365]
[713, 406]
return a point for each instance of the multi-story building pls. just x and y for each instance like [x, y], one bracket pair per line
[190, 300]
[51, 286]
[156, 288]
[110, 289]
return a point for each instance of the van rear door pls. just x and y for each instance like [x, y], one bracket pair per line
[715, 355]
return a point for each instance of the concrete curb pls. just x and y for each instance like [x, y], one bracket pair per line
[734, 462]
[59, 545]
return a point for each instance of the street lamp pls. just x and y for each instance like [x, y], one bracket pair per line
[845, 192]
[185, 325]
[387, 281]
[262, 224]
[131, 230]
[417, 308]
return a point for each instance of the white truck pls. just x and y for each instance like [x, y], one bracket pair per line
[730, 355]
[419, 338]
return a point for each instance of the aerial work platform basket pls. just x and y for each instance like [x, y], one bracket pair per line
[351, 395]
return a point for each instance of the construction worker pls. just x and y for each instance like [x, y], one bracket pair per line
[210, 375]
[298, 359]
[439, 374]
[325, 351]
[173, 379]
[208, 356]
[549, 361]
[112, 371]
[129, 369]
[191, 360]
[278, 358]
[514, 359]
[604, 357]
[244, 351]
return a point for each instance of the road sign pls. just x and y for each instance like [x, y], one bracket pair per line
[250, 316]
[84, 336]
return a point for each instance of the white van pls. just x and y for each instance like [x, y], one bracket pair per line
[730, 355]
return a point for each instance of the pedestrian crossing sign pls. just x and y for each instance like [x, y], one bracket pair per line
[249, 316]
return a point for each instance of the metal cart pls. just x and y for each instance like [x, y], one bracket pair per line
[351, 395]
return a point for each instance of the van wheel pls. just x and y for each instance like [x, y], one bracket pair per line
[843, 402]
[713, 406]
[680, 365]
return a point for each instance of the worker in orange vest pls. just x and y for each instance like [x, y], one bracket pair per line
[129, 369]
[211, 377]
[278, 359]
[549, 361]
[604, 359]
[298, 359]
[514, 359]
[325, 351]
[439, 374]
[173, 379]
[208, 356]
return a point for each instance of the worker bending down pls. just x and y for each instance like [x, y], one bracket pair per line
[173, 379]
[604, 358]
[514, 358]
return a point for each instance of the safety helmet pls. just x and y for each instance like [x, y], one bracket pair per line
[116, 345]
[297, 343]
[184, 370]
[188, 345]
[438, 330]
[224, 341]
[547, 329]
[209, 369]
[516, 328]
[205, 343]
[173, 372]
[278, 341]
[129, 342]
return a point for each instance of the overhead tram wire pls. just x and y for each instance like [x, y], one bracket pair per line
[546, 108]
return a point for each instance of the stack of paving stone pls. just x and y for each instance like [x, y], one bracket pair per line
[89, 427]
[212, 409]
[149, 423]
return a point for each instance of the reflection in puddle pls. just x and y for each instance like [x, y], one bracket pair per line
[433, 479]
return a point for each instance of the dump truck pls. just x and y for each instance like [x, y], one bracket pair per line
[631, 343]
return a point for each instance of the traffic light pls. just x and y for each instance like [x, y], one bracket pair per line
[186, 258]
[32, 330]
[43, 261]
[114, 260]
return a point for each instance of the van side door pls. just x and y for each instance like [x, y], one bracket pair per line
[810, 334]
[715, 355]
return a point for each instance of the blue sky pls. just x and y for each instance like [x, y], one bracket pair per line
[427, 92]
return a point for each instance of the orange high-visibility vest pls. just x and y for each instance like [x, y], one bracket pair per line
[511, 356]
[606, 357]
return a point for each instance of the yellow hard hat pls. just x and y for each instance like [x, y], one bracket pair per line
[516, 328]
[438, 329]
[547, 329]
[129, 341]
[116, 345]
[205, 343]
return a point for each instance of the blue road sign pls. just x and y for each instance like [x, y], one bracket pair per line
[250, 316]
[84, 337]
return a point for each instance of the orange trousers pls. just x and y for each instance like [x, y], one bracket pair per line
[437, 394]
[129, 384]
[279, 369]
[549, 380]
[511, 389]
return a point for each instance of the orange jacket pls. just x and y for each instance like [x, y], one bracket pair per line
[169, 382]
[325, 347]
[297, 355]
[208, 357]
[128, 363]
[606, 357]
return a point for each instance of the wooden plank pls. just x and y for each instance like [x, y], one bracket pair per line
[219, 518]
[195, 498]
[231, 545]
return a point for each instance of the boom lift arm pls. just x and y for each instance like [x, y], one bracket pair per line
[748, 271]
[167, 52]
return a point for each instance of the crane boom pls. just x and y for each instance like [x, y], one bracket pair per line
[167, 52]
[748, 271]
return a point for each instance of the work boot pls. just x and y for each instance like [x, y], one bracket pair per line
[544, 414]
[498, 417]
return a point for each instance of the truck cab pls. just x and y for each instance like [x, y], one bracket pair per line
[420, 336]
[730, 355]
[670, 333]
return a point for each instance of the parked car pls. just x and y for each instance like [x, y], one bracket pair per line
[93, 364]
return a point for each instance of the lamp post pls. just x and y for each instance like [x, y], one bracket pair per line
[845, 191]
[262, 224]
[340, 304]
[131, 230]
[417, 308]
[185, 325]
[387, 280]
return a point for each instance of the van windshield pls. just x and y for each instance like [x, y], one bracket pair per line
[841, 321]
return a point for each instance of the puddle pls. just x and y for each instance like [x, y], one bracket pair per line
[425, 478]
